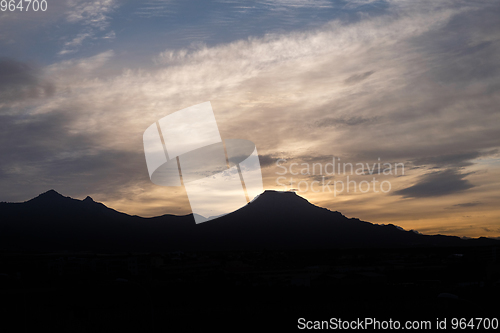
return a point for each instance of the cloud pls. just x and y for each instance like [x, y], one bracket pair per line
[90, 13]
[15, 72]
[437, 184]
[467, 204]
[45, 155]
[169, 8]
[353, 79]
[157, 8]
[351, 4]
[297, 3]
[93, 16]
[267, 160]
[68, 72]
[344, 121]
[20, 81]
[110, 35]
[454, 160]
[75, 43]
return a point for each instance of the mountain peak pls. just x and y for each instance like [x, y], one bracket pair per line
[50, 195]
[278, 192]
[281, 196]
[88, 199]
[51, 192]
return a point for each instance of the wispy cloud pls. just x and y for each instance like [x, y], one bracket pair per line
[93, 16]
[157, 8]
[110, 35]
[356, 78]
[345, 121]
[75, 43]
[437, 184]
[90, 13]
[297, 3]
[467, 204]
[461, 159]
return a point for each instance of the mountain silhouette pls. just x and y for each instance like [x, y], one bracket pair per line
[275, 220]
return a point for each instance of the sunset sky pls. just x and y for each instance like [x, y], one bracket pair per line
[409, 82]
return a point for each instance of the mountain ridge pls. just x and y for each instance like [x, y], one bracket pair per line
[275, 220]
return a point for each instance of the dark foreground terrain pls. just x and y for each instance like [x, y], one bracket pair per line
[244, 290]
[69, 265]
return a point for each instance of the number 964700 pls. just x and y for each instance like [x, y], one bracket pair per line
[23, 5]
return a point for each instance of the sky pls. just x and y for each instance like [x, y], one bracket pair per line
[408, 83]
